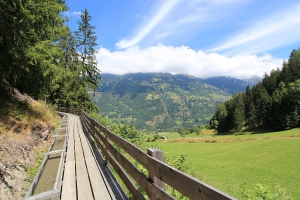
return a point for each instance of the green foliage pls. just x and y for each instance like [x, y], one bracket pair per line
[196, 129]
[32, 170]
[220, 119]
[40, 55]
[129, 133]
[86, 41]
[263, 192]
[156, 137]
[273, 103]
[179, 163]
[29, 30]
[182, 131]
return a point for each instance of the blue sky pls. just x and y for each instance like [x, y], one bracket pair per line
[203, 38]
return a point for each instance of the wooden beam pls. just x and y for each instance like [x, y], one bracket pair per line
[45, 195]
[54, 152]
[59, 135]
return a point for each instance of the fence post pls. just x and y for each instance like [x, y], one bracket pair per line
[159, 155]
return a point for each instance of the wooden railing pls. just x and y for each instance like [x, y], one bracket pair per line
[74, 111]
[127, 171]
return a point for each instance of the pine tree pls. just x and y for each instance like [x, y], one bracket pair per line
[220, 118]
[239, 112]
[86, 42]
[27, 40]
[270, 82]
[65, 79]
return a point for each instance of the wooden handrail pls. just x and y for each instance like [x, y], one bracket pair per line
[185, 184]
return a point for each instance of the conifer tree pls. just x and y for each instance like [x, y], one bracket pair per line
[27, 41]
[65, 79]
[221, 118]
[239, 112]
[86, 42]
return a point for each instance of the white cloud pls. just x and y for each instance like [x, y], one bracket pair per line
[146, 28]
[75, 13]
[183, 60]
[276, 31]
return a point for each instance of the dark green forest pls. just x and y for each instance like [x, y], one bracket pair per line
[42, 57]
[273, 103]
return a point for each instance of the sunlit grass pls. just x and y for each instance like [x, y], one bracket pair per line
[236, 163]
[25, 114]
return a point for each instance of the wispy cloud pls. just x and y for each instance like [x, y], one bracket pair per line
[180, 19]
[70, 14]
[183, 60]
[146, 28]
[275, 31]
[139, 16]
[179, 22]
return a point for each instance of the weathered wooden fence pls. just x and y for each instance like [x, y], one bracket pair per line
[74, 111]
[158, 171]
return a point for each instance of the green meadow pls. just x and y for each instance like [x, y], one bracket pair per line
[237, 163]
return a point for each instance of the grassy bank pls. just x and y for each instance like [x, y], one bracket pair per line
[235, 164]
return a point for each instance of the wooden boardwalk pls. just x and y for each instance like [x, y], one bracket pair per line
[84, 177]
[83, 171]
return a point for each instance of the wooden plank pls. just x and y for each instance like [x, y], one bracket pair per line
[59, 136]
[83, 184]
[54, 152]
[57, 184]
[45, 195]
[98, 186]
[106, 174]
[69, 180]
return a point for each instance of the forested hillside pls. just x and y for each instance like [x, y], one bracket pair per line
[42, 57]
[272, 103]
[230, 84]
[158, 100]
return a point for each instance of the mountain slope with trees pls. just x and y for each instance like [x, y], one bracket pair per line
[158, 100]
[272, 103]
[230, 84]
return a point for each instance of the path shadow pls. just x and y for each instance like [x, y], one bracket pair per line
[108, 175]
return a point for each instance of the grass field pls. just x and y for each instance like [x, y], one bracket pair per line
[235, 164]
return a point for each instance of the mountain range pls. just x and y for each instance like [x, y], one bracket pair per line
[163, 101]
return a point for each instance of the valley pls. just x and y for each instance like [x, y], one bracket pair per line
[161, 101]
